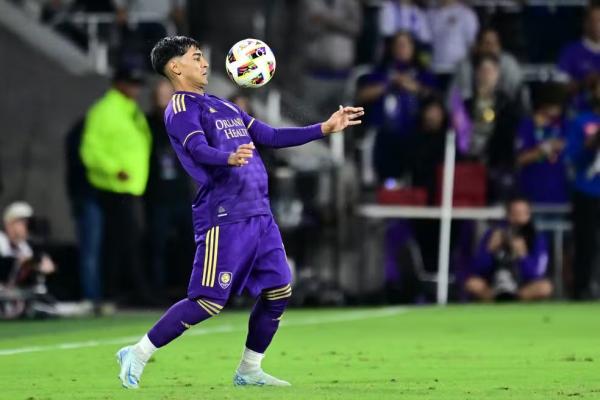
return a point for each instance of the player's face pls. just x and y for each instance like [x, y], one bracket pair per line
[593, 25]
[488, 74]
[403, 48]
[519, 213]
[490, 43]
[17, 230]
[194, 67]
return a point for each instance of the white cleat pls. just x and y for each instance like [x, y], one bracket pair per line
[258, 378]
[131, 368]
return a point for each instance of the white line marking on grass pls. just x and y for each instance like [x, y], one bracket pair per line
[344, 316]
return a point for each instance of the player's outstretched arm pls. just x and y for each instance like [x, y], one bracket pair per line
[268, 136]
[341, 119]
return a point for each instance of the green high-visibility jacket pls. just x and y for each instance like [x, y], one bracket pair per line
[116, 138]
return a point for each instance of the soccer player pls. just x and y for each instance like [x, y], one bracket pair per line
[239, 246]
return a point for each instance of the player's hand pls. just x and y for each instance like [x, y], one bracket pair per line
[519, 247]
[241, 155]
[496, 240]
[345, 116]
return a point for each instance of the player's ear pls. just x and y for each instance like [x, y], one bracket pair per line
[173, 67]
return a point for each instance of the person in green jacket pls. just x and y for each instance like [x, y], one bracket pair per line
[115, 150]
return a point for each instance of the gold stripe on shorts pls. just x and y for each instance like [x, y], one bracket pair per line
[215, 253]
[207, 257]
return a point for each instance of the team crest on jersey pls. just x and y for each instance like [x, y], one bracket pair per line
[225, 279]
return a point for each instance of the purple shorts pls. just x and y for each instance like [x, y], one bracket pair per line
[233, 257]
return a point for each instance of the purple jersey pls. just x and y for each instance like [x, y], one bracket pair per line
[529, 268]
[579, 60]
[544, 181]
[204, 130]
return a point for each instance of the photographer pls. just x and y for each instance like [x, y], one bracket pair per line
[511, 260]
[22, 269]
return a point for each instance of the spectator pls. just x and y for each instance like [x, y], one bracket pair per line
[427, 146]
[453, 28]
[540, 142]
[403, 15]
[22, 269]
[331, 28]
[511, 76]
[583, 150]
[511, 260]
[167, 194]
[391, 93]
[86, 210]
[115, 150]
[495, 117]
[581, 60]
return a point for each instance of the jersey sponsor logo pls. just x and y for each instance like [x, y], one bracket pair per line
[232, 127]
[225, 279]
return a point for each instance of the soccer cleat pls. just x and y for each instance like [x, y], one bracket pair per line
[258, 378]
[131, 367]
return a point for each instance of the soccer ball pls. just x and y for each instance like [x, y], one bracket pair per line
[250, 63]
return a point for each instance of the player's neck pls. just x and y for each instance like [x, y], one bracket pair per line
[185, 87]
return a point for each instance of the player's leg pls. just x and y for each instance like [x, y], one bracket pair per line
[540, 289]
[479, 288]
[202, 303]
[271, 278]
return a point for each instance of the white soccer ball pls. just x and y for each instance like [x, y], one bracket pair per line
[250, 63]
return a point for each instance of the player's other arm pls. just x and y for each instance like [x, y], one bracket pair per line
[266, 135]
[188, 131]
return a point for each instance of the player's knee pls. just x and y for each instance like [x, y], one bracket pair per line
[475, 285]
[211, 307]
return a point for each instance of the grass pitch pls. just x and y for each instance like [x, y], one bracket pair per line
[547, 351]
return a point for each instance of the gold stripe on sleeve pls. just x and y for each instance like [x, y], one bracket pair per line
[250, 124]
[174, 101]
[189, 135]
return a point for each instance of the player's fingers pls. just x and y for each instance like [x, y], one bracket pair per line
[353, 109]
[249, 146]
[245, 152]
[355, 122]
[356, 115]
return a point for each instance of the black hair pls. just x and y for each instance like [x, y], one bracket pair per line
[479, 59]
[387, 57]
[516, 198]
[167, 48]
[485, 30]
[433, 101]
[548, 94]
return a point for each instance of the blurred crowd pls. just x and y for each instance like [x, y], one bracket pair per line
[521, 94]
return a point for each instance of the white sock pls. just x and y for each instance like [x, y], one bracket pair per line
[144, 348]
[250, 361]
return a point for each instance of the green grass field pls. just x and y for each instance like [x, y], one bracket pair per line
[548, 351]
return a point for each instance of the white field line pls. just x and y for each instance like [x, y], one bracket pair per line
[342, 317]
